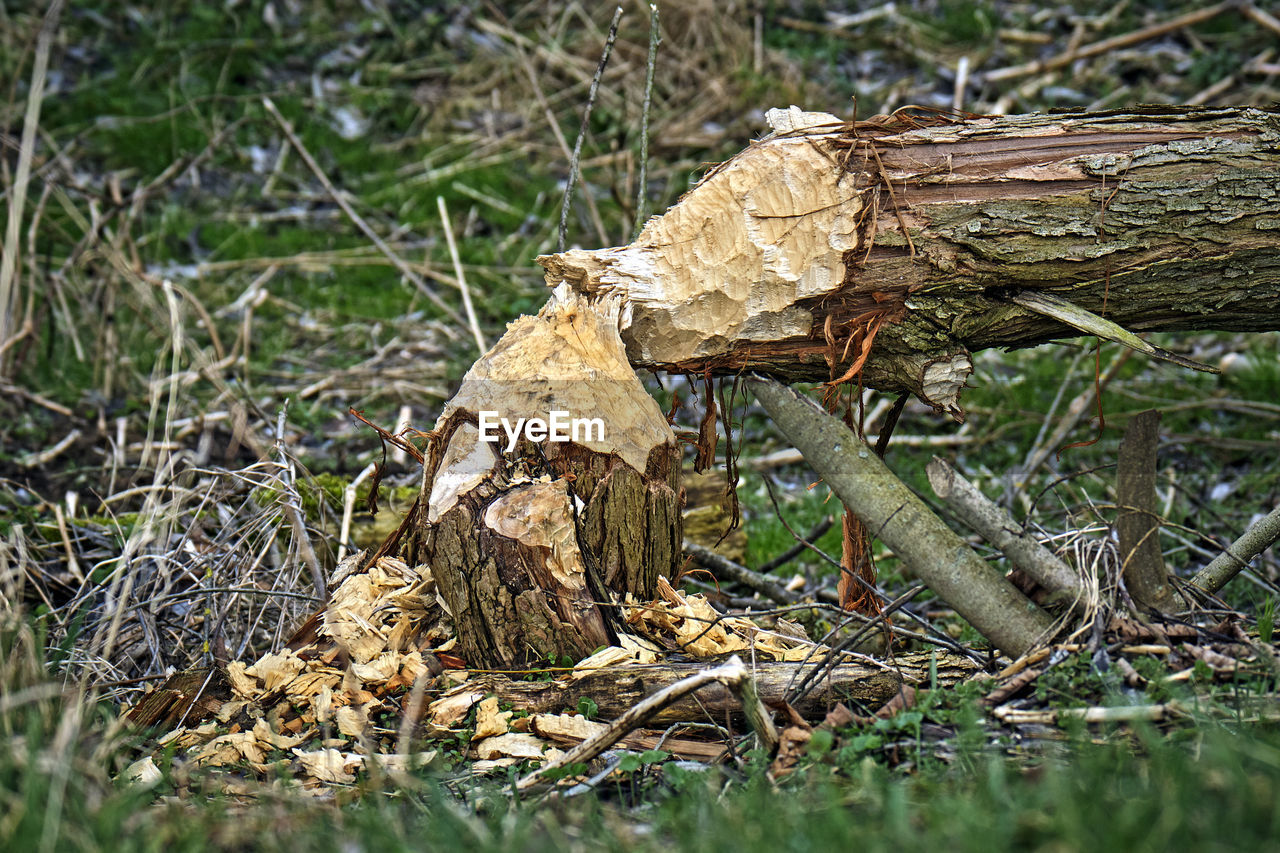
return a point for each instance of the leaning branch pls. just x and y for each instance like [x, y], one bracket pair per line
[996, 526]
[892, 512]
[1235, 559]
[733, 675]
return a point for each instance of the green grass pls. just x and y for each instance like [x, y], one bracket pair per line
[883, 787]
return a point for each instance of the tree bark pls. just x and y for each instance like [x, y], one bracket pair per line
[1138, 518]
[893, 513]
[994, 524]
[619, 688]
[919, 233]
[887, 250]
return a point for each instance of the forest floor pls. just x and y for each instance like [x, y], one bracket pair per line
[200, 300]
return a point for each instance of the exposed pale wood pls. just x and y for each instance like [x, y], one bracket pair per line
[1157, 219]
[530, 543]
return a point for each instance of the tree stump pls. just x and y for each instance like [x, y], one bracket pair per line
[531, 537]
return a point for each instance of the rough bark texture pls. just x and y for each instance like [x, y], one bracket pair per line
[994, 524]
[529, 544]
[917, 232]
[1236, 557]
[1138, 518]
[893, 513]
[616, 689]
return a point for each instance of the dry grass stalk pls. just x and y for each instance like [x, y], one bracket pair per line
[18, 196]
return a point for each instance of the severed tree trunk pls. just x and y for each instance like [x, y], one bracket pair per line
[886, 250]
[897, 246]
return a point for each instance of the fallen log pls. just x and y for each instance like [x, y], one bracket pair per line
[618, 688]
[932, 237]
[884, 250]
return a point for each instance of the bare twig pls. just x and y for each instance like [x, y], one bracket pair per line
[1091, 324]
[1260, 17]
[642, 193]
[582, 131]
[559, 135]
[348, 507]
[1116, 714]
[44, 457]
[481, 346]
[293, 512]
[356, 218]
[727, 569]
[962, 81]
[1075, 411]
[1098, 48]
[733, 675]
[869, 624]
[815, 533]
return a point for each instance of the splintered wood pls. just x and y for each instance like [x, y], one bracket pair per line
[923, 230]
[732, 261]
[529, 534]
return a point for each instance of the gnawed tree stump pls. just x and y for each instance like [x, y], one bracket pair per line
[531, 538]
[918, 234]
[886, 251]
